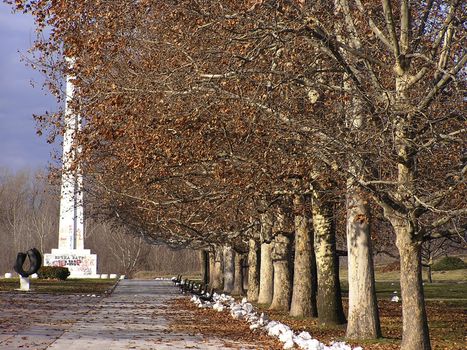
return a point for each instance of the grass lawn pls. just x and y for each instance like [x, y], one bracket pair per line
[433, 291]
[446, 285]
[438, 276]
[94, 286]
[149, 275]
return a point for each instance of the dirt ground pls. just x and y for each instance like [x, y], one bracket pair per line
[448, 326]
[208, 322]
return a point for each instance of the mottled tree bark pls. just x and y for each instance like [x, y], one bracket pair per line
[302, 304]
[217, 271]
[266, 276]
[415, 334]
[211, 267]
[314, 279]
[329, 299]
[238, 275]
[363, 319]
[253, 270]
[283, 232]
[229, 269]
[282, 279]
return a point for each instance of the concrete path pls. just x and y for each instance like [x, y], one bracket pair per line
[135, 316]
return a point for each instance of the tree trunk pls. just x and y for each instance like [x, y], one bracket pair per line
[415, 334]
[314, 278]
[253, 270]
[229, 269]
[266, 275]
[301, 305]
[329, 299]
[204, 262]
[217, 271]
[238, 275]
[282, 286]
[363, 319]
[429, 273]
[282, 279]
[211, 267]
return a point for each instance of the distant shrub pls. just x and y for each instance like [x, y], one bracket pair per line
[449, 263]
[394, 266]
[53, 272]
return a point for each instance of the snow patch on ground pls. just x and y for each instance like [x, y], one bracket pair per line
[246, 311]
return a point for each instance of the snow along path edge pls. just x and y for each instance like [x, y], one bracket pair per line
[246, 311]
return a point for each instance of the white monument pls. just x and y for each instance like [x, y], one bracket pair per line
[71, 252]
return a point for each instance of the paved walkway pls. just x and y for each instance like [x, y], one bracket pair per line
[135, 316]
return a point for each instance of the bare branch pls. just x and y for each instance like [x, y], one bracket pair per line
[441, 84]
[379, 34]
[421, 28]
[405, 26]
[444, 28]
[391, 27]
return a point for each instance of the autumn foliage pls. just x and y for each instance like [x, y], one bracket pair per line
[201, 116]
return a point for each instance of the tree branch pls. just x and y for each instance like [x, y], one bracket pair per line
[405, 26]
[441, 84]
[379, 34]
[387, 9]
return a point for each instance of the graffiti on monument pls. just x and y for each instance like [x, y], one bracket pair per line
[82, 264]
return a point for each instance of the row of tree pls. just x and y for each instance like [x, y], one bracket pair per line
[228, 126]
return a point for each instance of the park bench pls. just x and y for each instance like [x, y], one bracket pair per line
[186, 286]
[177, 280]
[182, 284]
[198, 289]
[207, 296]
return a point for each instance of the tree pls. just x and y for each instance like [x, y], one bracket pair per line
[128, 251]
[435, 248]
[265, 98]
[303, 302]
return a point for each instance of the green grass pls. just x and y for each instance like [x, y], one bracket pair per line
[438, 276]
[385, 289]
[453, 275]
[153, 274]
[447, 285]
[84, 286]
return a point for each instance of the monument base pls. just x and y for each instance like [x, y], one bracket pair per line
[23, 284]
[81, 263]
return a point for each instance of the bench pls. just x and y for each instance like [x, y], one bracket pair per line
[186, 286]
[207, 296]
[177, 280]
[198, 289]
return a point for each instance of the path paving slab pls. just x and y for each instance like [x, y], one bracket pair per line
[135, 316]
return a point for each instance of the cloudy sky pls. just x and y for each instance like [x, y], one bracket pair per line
[20, 147]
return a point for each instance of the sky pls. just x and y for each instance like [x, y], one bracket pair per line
[20, 146]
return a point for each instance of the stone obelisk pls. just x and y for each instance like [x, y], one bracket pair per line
[71, 252]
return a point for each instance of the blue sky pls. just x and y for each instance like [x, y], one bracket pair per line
[20, 146]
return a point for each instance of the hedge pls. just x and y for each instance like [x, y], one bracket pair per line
[53, 272]
[449, 263]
